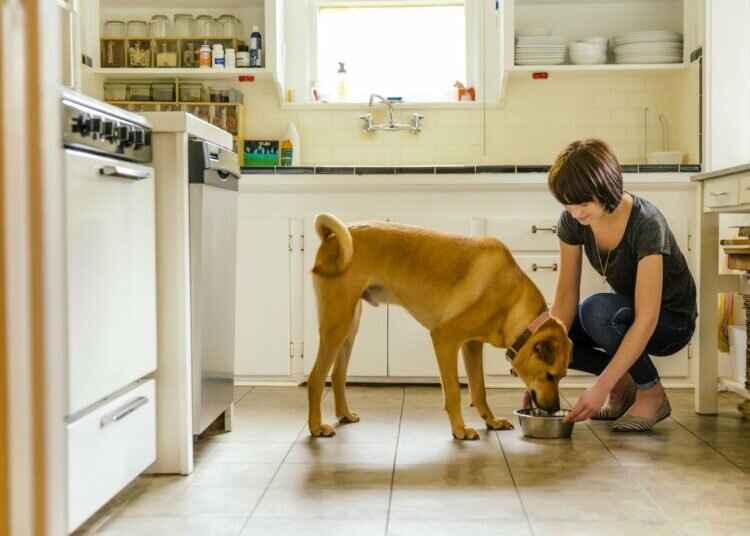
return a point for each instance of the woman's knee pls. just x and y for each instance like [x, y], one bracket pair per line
[605, 315]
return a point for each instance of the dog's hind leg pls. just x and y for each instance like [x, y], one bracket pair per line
[333, 331]
[446, 351]
[472, 352]
[338, 377]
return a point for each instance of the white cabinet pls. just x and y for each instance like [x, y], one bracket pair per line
[574, 19]
[370, 352]
[263, 329]
[410, 350]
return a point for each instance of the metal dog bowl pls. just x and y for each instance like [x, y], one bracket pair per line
[543, 424]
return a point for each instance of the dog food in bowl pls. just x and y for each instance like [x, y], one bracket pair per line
[543, 424]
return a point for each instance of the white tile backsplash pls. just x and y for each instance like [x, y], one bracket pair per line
[537, 119]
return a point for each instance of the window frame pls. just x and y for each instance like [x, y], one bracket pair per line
[474, 21]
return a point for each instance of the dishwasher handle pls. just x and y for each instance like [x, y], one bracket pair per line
[221, 160]
[124, 173]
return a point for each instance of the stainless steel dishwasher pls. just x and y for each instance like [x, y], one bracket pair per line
[214, 181]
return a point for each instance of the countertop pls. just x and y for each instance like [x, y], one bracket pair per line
[722, 172]
[185, 122]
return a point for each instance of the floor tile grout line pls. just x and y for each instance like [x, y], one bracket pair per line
[265, 490]
[515, 487]
[252, 388]
[395, 458]
[709, 445]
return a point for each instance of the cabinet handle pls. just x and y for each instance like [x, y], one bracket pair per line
[536, 267]
[124, 173]
[123, 412]
[552, 229]
[717, 194]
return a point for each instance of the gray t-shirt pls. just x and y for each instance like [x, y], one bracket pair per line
[646, 233]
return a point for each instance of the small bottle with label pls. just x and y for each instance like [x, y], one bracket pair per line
[229, 58]
[205, 56]
[256, 48]
[218, 55]
[243, 56]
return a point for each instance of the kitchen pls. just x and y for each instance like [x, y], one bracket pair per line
[226, 270]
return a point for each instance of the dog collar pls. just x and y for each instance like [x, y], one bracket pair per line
[527, 333]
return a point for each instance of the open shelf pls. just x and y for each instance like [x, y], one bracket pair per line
[171, 72]
[600, 67]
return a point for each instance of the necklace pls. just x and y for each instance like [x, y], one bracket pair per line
[606, 263]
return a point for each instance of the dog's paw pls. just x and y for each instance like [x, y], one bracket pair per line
[498, 424]
[322, 431]
[468, 434]
[349, 419]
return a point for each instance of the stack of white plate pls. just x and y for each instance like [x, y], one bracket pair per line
[648, 47]
[540, 50]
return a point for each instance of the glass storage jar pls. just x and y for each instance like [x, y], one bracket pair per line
[191, 92]
[165, 52]
[139, 91]
[139, 53]
[201, 111]
[163, 91]
[229, 27]
[115, 91]
[184, 25]
[114, 28]
[137, 28]
[204, 26]
[159, 26]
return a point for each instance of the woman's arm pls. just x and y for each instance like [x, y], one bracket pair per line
[567, 292]
[648, 285]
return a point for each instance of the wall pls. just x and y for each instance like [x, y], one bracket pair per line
[537, 119]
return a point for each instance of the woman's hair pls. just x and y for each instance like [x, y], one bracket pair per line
[587, 170]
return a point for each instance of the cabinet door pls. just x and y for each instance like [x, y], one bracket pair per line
[369, 355]
[410, 350]
[262, 335]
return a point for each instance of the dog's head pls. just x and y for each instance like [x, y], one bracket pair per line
[543, 361]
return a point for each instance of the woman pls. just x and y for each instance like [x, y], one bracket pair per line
[652, 310]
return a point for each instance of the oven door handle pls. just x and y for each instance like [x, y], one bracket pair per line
[124, 173]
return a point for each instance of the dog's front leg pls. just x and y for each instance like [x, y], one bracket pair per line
[472, 352]
[446, 351]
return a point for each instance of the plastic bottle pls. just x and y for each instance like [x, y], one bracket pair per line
[290, 148]
[205, 56]
[218, 55]
[256, 48]
[229, 58]
[341, 89]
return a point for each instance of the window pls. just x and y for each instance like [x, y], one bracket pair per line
[410, 49]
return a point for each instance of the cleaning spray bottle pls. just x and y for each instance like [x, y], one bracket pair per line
[290, 147]
[341, 89]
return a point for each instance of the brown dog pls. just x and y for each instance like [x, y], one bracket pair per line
[465, 291]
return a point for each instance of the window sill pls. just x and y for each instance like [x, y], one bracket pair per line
[471, 105]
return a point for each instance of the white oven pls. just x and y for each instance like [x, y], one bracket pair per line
[111, 297]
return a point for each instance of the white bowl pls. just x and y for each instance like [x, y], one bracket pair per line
[583, 48]
[601, 41]
[588, 59]
[664, 157]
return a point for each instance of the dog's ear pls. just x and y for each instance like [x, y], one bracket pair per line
[547, 349]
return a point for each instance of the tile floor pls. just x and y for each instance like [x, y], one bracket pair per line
[399, 472]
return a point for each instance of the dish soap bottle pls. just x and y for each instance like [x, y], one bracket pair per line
[256, 48]
[289, 147]
[341, 89]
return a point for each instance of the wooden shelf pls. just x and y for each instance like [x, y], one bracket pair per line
[172, 72]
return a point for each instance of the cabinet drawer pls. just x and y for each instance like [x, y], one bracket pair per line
[744, 189]
[543, 270]
[108, 448]
[525, 234]
[721, 193]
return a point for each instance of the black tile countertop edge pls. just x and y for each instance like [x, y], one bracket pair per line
[465, 170]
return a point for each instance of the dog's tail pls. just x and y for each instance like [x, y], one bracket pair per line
[328, 227]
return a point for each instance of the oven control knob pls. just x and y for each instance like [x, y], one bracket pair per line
[137, 137]
[107, 130]
[82, 124]
[95, 125]
[123, 135]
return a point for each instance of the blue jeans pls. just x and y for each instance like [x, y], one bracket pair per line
[601, 324]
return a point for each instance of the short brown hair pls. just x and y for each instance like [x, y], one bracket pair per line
[587, 170]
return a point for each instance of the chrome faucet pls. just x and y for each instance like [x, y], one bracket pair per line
[415, 125]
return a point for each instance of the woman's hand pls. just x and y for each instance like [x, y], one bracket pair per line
[589, 403]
